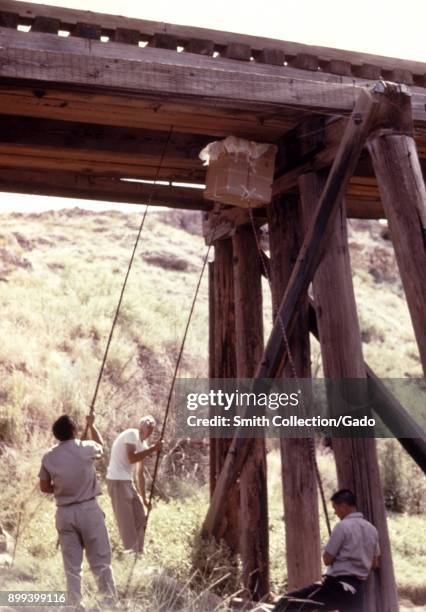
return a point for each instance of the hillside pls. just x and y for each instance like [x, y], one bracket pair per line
[60, 277]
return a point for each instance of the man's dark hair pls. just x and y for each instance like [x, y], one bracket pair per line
[344, 496]
[64, 428]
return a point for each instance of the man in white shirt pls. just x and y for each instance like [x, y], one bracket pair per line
[129, 448]
[352, 551]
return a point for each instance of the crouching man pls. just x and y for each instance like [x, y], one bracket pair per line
[130, 448]
[68, 471]
[350, 554]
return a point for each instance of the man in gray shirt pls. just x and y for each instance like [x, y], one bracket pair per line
[68, 471]
[350, 554]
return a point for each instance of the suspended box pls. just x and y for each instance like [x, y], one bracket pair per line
[240, 172]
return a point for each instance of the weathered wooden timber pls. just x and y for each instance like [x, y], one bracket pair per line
[254, 528]
[307, 57]
[341, 349]
[223, 364]
[403, 193]
[147, 71]
[99, 187]
[298, 471]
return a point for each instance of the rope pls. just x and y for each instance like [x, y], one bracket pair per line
[123, 288]
[172, 386]
[292, 364]
[169, 399]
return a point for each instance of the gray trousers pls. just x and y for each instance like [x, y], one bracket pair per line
[82, 527]
[129, 513]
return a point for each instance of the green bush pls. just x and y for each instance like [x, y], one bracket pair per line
[404, 484]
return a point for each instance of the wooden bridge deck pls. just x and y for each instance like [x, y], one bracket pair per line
[88, 99]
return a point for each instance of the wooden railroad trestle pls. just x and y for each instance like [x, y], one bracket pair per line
[101, 93]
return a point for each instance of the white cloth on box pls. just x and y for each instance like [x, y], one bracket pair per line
[119, 467]
[233, 145]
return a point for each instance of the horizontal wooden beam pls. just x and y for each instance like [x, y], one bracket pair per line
[49, 58]
[262, 49]
[34, 143]
[27, 132]
[98, 187]
[220, 223]
[87, 105]
[312, 146]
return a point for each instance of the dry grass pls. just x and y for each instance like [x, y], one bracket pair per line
[60, 274]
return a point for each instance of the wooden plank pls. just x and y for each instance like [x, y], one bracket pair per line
[144, 168]
[95, 71]
[237, 51]
[254, 531]
[47, 25]
[46, 139]
[127, 36]
[223, 224]
[338, 67]
[298, 470]
[95, 187]
[363, 208]
[200, 46]
[9, 19]
[312, 146]
[69, 17]
[403, 194]
[154, 113]
[400, 75]
[341, 350]
[275, 57]
[90, 31]
[363, 115]
[163, 41]
[51, 59]
[368, 71]
[305, 61]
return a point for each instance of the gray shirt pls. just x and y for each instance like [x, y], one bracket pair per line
[70, 467]
[354, 542]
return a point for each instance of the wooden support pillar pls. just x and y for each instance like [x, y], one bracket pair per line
[222, 364]
[212, 326]
[249, 343]
[356, 458]
[403, 194]
[298, 472]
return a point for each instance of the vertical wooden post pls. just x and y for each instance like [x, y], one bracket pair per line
[253, 487]
[212, 360]
[222, 364]
[356, 458]
[298, 473]
[403, 194]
